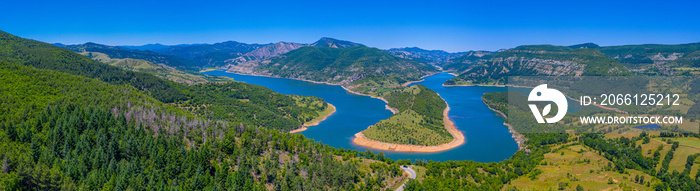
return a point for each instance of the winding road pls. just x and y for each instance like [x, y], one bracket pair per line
[409, 170]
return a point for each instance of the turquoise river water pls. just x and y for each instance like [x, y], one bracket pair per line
[487, 139]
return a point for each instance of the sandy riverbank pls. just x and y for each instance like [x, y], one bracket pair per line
[361, 140]
[315, 121]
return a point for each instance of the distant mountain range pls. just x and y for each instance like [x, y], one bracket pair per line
[121, 53]
[583, 59]
[150, 47]
[359, 67]
[467, 60]
[435, 57]
[263, 53]
[327, 60]
[535, 60]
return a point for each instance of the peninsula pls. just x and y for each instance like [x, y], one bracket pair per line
[322, 116]
[416, 127]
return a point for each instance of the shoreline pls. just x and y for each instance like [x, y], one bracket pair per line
[270, 76]
[567, 96]
[405, 84]
[315, 121]
[393, 110]
[386, 105]
[361, 140]
[519, 138]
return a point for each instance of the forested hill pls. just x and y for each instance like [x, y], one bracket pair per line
[467, 61]
[358, 67]
[645, 59]
[534, 60]
[211, 55]
[121, 53]
[641, 56]
[203, 51]
[45, 56]
[233, 101]
[160, 70]
[419, 120]
[68, 126]
[435, 57]
[66, 132]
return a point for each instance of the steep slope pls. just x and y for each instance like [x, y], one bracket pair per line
[160, 70]
[534, 60]
[27, 90]
[648, 53]
[263, 53]
[690, 60]
[233, 101]
[120, 53]
[434, 57]
[62, 131]
[359, 68]
[467, 61]
[46, 56]
[655, 59]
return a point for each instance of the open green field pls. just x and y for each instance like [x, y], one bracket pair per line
[573, 165]
[419, 121]
[406, 128]
[687, 146]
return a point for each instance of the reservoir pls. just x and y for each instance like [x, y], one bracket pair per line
[487, 139]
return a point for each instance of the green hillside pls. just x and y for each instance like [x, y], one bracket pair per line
[690, 60]
[346, 66]
[467, 61]
[68, 122]
[79, 141]
[65, 132]
[121, 53]
[217, 51]
[283, 114]
[160, 70]
[418, 122]
[26, 91]
[635, 55]
[539, 60]
[609, 155]
[60, 131]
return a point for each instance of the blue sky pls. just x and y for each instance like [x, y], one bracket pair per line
[446, 25]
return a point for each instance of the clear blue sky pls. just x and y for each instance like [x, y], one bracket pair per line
[446, 25]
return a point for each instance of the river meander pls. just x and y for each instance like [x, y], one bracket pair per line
[487, 139]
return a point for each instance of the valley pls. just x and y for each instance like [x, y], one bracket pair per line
[310, 120]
